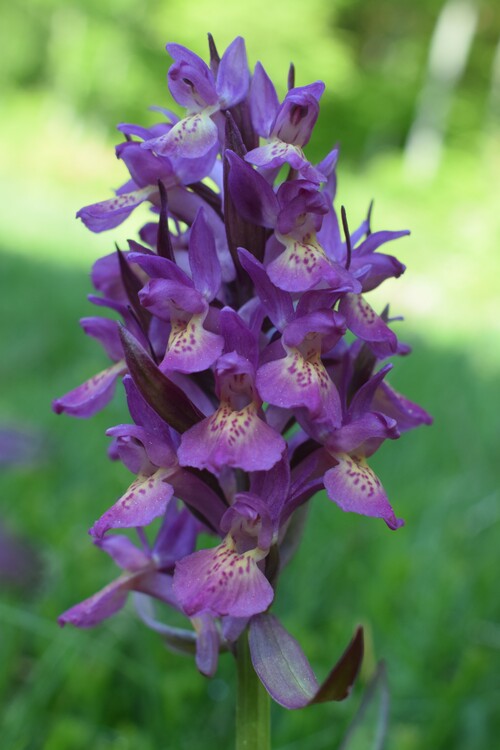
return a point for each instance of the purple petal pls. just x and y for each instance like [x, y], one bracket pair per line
[316, 331]
[146, 499]
[276, 153]
[191, 348]
[264, 103]
[207, 644]
[145, 167]
[191, 138]
[406, 413]
[162, 296]
[233, 77]
[177, 536]
[190, 80]
[277, 303]
[231, 438]
[252, 195]
[374, 240]
[221, 582]
[364, 322]
[356, 489]
[273, 486]
[178, 639]
[125, 554]
[93, 395]
[109, 214]
[106, 332]
[298, 114]
[160, 268]
[203, 260]
[107, 279]
[237, 336]
[158, 448]
[370, 425]
[303, 265]
[100, 606]
[374, 269]
[202, 493]
[295, 382]
[362, 400]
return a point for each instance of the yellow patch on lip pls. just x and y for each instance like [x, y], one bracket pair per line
[185, 334]
[307, 370]
[358, 474]
[234, 424]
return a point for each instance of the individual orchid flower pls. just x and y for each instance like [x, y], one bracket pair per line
[351, 483]
[227, 579]
[295, 261]
[148, 449]
[172, 295]
[289, 130]
[146, 169]
[236, 434]
[194, 86]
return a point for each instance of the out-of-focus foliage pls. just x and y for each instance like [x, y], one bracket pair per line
[105, 60]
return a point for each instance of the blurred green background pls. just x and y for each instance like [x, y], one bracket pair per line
[413, 98]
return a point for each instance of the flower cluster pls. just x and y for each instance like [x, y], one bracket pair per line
[250, 358]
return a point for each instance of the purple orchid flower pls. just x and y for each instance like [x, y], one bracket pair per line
[146, 170]
[296, 261]
[193, 85]
[236, 434]
[288, 127]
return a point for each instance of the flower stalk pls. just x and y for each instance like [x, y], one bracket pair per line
[253, 707]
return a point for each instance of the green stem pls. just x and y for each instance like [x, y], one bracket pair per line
[253, 708]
